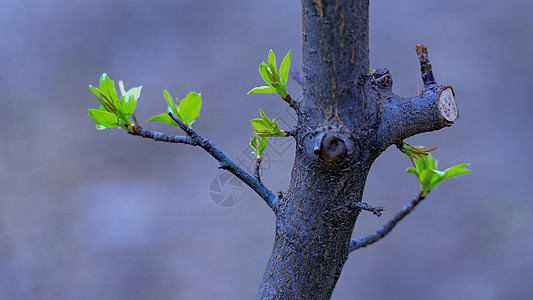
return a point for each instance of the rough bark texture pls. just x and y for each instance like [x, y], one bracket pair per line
[344, 122]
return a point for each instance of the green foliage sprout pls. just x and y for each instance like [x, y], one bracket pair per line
[187, 110]
[428, 175]
[114, 111]
[275, 79]
[264, 127]
[258, 145]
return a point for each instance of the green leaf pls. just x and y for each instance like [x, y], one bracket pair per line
[258, 147]
[272, 63]
[98, 93]
[135, 92]
[262, 145]
[412, 171]
[164, 118]
[426, 178]
[456, 171]
[112, 92]
[104, 81]
[262, 90]
[128, 105]
[189, 108]
[260, 126]
[265, 118]
[172, 106]
[265, 73]
[103, 118]
[284, 68]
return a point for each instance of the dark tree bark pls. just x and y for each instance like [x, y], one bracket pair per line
[346, 120]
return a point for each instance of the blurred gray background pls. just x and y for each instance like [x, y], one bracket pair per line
[87, 214]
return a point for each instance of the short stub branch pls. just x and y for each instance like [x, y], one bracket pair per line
[425, 66]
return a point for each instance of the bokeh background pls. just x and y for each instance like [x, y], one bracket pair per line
[87, 214]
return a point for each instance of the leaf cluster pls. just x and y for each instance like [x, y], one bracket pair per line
[264, 127]
[114, 111]
[428, 175]
[187, 110]
[258, 145]
[275, 79]
[415, 152]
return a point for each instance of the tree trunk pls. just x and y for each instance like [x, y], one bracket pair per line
[334, 152]
[344, 123]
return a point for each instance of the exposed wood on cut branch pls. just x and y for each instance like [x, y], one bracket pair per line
[387, 228]
[403, 117]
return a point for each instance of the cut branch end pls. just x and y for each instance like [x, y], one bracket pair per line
[447, 105]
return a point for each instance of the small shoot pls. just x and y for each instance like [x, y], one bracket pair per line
[275, 79]
[187, 110]
[258, 145]
[428, 175]
[264, 127]
[415, 152]
[114, 111]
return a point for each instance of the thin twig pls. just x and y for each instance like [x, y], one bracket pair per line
[228, 165]
[425, 66]
[257, 167]
[383, 231]
[161, 136]
[292, 103]
[376, 210]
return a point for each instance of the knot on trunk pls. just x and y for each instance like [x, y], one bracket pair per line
[333, 147]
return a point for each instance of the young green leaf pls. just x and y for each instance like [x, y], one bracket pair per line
[266, 89]
[264, 127]
[103, 118]
[258, 146]
[276, 80]
[284, 67]
[267, 76]
[189, 108]
[428, 175]
[272, 63]
[172, 106]
[164, 118]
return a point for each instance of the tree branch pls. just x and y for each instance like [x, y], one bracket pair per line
[383, 231]
[227, 164]
[161, 136]
[257, 168]
[403, 117]
[425, 66]
[376, 210]
[292, 103]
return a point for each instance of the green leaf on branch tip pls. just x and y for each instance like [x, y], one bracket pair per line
[172, 106]
[428, 175]
[103, 118]
[276, 80]
[284, 67]
[121, 107]
[187, 110]
[164, 118]
[258, 146]
[190, 107]
[266, 89]
[264, 127]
